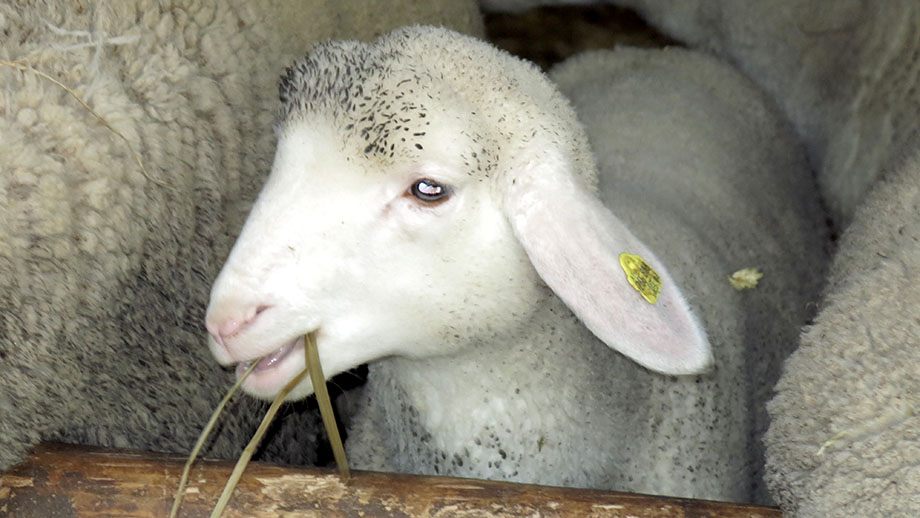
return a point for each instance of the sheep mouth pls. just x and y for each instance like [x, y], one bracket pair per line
[271, 360]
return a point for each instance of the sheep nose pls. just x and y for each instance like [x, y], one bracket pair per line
[225, 324]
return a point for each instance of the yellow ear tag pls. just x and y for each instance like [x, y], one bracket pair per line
[641, 276]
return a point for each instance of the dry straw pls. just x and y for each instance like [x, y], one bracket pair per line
[314, 368]
[183, 481]
[250, 449]
[325, 405]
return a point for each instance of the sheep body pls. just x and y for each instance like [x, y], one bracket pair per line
[835, 67]
[843, 436]
[479, 369]
[668, 127]
[845, 422]
[104, 272]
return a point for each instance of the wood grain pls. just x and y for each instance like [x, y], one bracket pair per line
[75, 481]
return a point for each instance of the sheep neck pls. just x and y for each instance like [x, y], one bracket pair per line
[512, 406]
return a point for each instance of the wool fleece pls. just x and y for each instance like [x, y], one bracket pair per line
[105, 268]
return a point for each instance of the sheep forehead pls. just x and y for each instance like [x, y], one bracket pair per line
[385, 98]
[342, 77]
[383, 109]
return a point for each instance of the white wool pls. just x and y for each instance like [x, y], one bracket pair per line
[104, 273]
[845, 425]
[470, 307]
[845, 433]
[843, 71]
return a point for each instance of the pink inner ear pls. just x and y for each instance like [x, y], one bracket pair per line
[574, 243]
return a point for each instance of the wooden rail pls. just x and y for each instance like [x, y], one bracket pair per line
[75, 481]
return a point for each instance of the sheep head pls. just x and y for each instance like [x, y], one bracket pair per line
[428, 193]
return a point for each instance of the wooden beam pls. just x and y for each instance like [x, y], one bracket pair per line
[66, 481]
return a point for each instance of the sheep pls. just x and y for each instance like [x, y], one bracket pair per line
[844, 421]
[721, 114]
[842, 441]
[104, 268]
[836, 68]
[432, 210]
[845, 429]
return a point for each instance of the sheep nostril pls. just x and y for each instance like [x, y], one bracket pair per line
[213, 329]
[231, 327]
[224, 327]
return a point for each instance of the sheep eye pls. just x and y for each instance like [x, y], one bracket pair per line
[429, 191]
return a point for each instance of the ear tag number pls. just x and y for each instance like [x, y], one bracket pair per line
[641, 276]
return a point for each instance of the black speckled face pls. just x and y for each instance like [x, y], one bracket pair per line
[384, 107]
[380, 110]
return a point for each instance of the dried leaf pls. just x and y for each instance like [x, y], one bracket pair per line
[745, 278]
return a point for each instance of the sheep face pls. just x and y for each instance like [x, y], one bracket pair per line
[379, 258]
[417, 209]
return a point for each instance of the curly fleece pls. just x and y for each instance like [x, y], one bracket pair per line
[104, 271]
[845, 436]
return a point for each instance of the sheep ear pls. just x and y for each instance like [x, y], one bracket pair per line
[575, 244]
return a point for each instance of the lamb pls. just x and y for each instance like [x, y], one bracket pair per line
[844, 437]
[720, 114]
[432, 210]
[105, 269]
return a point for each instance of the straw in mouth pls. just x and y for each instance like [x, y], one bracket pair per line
[270, 360]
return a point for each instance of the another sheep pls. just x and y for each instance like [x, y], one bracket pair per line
[690, 152]
[104, 273]
[836, 67]
[845, 432]
[845, 437]
[430, 209]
